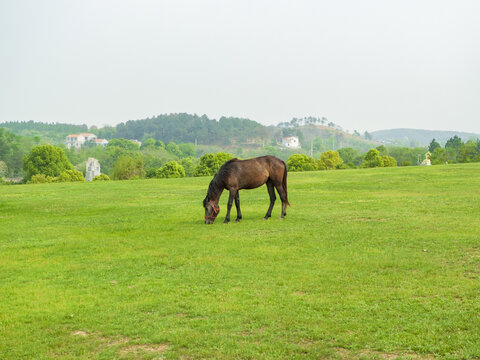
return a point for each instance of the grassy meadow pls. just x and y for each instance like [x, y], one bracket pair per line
[368, 264]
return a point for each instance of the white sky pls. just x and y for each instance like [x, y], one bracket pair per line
[365, 65]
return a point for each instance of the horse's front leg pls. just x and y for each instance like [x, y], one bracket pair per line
[229, 205]
[237, 205]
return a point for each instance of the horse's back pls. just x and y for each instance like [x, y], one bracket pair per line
[252, 173]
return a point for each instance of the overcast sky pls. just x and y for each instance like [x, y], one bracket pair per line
[365, 65]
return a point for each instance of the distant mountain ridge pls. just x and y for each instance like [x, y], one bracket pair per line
[418, 137]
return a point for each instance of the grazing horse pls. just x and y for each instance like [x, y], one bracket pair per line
[236, 174]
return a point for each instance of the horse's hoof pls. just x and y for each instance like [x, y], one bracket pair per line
[226, 221]
[237, 220]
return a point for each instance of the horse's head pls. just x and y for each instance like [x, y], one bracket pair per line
[211, 210]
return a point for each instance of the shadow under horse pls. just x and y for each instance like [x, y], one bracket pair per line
[236, 174]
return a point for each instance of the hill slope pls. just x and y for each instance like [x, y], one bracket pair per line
[418, 137]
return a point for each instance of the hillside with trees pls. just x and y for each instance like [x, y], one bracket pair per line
[418, 137]
[54, 133]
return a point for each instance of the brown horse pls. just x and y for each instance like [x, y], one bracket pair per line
[236, 174]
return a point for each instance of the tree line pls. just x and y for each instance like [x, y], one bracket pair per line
[124, 159]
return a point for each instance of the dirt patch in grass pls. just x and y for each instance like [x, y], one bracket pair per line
[79, 333]
[374, 354]
[123, 343]
[139, 349]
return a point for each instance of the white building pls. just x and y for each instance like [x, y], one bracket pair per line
[75, 141]
[103, 142]
[291, 142]
[89, 136]
[78, 140]
[92, 169]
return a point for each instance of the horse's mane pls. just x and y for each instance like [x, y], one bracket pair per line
[217, 182]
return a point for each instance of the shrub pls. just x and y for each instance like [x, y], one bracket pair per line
[329, 160]
[388, 161]
[101, 177]
[71, 176]
[300, 162]
[41, 179]
[151, 173]
[171, 169]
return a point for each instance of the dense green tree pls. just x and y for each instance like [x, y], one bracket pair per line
[454, 143]
[329, 160]
[301, 162]
[187, 149]
[128, 167]
[382, 150]
[148, 144]
[468, 152]
[348, 155]
[3, 169]
[124, 144]
[47, 160]
[171, 169]
[210, 163]
[173, 149]
[438, 156]
[433, 145]
[372, 159]
[188, 164]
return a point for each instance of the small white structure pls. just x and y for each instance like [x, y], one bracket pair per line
[102, 142]
[92, 169]
[291, 142]
[427, 161]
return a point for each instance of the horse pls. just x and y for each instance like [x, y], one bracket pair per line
[236, 174]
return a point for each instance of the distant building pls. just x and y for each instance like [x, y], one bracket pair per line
[89, 136]
[78, 140]
[291, 142]
[92, 169]
[75, 141]
[103, 142]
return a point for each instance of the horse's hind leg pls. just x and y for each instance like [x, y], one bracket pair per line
[283, 197]
[273, 197]
[237, 205]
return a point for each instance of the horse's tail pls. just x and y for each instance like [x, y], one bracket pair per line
[284, 183]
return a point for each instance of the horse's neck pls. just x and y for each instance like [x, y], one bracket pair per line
[215, 196]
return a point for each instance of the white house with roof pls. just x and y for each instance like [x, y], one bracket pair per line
[103, 142]
[89, 136]
[75, 140]
[78, 140]
[291, 142]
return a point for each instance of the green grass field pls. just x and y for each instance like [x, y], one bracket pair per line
[368, 264]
